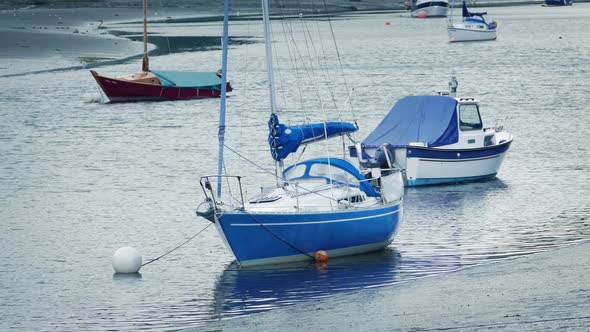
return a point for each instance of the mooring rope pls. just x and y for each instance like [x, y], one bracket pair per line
[278, 236]
[180, 245]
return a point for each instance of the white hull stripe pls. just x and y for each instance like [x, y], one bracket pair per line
[460, 160]
[315, 222]
[471, 30]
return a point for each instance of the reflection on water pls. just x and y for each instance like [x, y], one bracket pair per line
[127, 277]
[475, 223]
[240, 291]
[178, 44]
[445, 228]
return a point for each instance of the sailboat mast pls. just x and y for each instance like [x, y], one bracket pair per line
[269, 63]
[146, 63]
[271, 77]
[451, 15]
[221, 132]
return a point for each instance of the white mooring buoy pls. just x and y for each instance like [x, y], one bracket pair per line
[126, 260]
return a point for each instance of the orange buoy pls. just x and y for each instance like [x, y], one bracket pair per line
[422, 14]
[321, 256]
[388, 22]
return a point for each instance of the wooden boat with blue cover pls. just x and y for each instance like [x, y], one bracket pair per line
[151, 85]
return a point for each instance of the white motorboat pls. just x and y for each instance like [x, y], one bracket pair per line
[429, 8]
[437, 139]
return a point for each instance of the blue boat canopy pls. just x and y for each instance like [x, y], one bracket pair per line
[187, 79]
[427, 119]
[284, 140]
[333, 170]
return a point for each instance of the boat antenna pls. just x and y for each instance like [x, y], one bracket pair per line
[271, 78]
[221, 132]
[145, 66]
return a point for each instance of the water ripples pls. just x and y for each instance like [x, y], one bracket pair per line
[81, 178]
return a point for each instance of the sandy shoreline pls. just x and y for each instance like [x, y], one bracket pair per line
[39, 39]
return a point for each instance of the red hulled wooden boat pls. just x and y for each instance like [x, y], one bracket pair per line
[146, 86]
[159, 85]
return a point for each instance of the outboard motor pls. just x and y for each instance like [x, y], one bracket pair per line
[385, 156]
[382, 161]
[383, 174]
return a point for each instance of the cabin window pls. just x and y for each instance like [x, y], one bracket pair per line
[469, 118]
[295, 172]
[334, 173]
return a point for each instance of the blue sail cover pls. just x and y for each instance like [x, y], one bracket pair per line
[467, 13]
[187, 79]
[284, 140]
[426, 119]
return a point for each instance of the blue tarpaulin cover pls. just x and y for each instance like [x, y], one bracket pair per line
[188, 79]
[426, 119]
[284, 140]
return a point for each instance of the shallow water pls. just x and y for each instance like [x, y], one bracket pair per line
[80, 178]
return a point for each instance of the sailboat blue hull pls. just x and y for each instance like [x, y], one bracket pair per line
[270, 238]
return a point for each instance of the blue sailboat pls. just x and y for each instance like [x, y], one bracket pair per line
[472, 27]
[319, 204]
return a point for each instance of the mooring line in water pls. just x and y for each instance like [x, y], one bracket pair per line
[180, 245]
[278, 236]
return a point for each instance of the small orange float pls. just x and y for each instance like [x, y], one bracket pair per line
[321, 256]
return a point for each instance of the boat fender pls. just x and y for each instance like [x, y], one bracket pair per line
[493, 25]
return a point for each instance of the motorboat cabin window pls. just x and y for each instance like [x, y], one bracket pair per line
[469, 118]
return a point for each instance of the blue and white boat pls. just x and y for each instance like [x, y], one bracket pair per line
[438, 139]
[473, 27]
[558, 3]
[319, 204]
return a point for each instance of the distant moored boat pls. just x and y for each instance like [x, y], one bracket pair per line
[159, 85]
[438, 139]
[473, 27]
[552, 3]
[430, 8]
